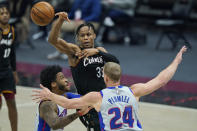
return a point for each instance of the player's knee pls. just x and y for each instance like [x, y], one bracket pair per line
[10, 100]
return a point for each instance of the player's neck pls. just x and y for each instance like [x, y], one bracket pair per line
[4, 26]
[112, 84]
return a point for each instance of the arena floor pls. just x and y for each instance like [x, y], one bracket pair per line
[154, 117]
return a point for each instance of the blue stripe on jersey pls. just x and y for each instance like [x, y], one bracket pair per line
[72, 95]
[114, 87]
[111, 87]
[101, 93]
[102, 125]
[139, 124]
[120, 86]
[130, 90]
[43, 126]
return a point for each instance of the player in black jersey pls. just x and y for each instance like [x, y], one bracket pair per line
[8, 75]
[85, 60]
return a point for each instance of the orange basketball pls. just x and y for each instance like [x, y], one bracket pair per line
[42, 13]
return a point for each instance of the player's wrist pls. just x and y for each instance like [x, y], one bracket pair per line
[97, 51]
[50, 95]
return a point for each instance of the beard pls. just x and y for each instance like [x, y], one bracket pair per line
[63, 88]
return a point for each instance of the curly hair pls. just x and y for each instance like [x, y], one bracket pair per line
[48, 75]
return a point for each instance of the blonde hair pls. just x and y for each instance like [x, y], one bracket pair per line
[113, 71]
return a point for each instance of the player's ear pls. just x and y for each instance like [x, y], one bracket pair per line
[106, 78]
[53, 84]
[94, 35]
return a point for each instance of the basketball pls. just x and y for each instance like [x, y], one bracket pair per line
[42, 13]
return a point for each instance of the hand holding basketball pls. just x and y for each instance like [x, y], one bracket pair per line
[42, 13]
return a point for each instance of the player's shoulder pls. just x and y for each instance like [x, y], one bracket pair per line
[47, 105]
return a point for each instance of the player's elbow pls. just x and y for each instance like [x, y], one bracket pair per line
[54, 124]
[54, 127]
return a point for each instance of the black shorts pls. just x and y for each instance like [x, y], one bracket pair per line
[7, 83]
[91, 120]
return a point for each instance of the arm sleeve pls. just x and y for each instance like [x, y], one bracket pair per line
[108, 57]
[72, 95]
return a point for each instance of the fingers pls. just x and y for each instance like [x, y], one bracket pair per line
[183, 49]
[81, 54]
[85, 54]
[36, 97]
[41, 86]
[63, 15]
[57, 14]
[67, 19]
[36, 91]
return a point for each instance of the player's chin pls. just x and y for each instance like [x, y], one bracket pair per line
[4, 22]
[67, 88]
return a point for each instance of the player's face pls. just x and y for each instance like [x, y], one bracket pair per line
[86, 37]
[62, 82]
[4, 15]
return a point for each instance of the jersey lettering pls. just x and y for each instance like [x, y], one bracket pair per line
[92, 60]
[6, 42]
[99, 72]
[6, 53]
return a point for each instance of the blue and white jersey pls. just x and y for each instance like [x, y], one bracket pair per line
[119, 110]
[41, 124]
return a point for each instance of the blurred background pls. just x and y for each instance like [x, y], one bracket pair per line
[145, 35]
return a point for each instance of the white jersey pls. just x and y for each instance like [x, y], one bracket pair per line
[119, 110]
[41, 124]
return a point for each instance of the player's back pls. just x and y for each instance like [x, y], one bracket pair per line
[119, 110]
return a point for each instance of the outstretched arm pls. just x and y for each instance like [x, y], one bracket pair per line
[161, 79]
[48, 111]
[62, 45]
[90, 99]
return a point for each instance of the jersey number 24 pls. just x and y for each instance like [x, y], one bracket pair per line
[126, 117]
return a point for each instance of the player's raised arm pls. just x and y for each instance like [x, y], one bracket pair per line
[161, 79]
[77, 103]
[62, 45]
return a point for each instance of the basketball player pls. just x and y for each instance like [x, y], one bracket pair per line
[50, 116]
[117, 105]
[86, 62]
[8, 74]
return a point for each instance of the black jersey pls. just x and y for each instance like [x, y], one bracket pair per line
[88, 74]
[7, 52]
